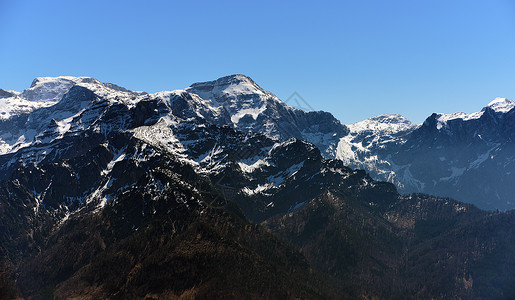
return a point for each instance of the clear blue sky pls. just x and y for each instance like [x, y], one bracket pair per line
[356, 59]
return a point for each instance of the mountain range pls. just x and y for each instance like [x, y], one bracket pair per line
[221, 190]
[468, 157]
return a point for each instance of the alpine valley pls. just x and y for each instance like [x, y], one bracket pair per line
[222, 191]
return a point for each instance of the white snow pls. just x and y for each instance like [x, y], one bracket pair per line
[502, 105]
[253, 112]
[250, 168]
[16, 105]
[259, 189]
[49, 88]
[377, 131]
[387, 123]
[444, 118]
[10, 143]
[236, 94]
[227, 86]
[160, 135]
[117, 158]
[52, 89]
[499, 105]
[64, 125]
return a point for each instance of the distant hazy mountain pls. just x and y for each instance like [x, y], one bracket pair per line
[468, 157]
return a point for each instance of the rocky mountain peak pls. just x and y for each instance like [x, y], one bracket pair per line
[390, 119]
[383, 123]
[44, 89]
[227, 88]
[498, 105]
[502, 105]
[222, 82]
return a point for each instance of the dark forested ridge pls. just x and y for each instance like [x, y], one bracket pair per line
[418, 248]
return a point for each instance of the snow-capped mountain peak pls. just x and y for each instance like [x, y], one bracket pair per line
[390, 123]
[45, 89]
[250, 108]
[237, 93]
[442, 119]
[498, 105]
[502, 105]
[360, 147]
[226, 87]
[52, 89]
